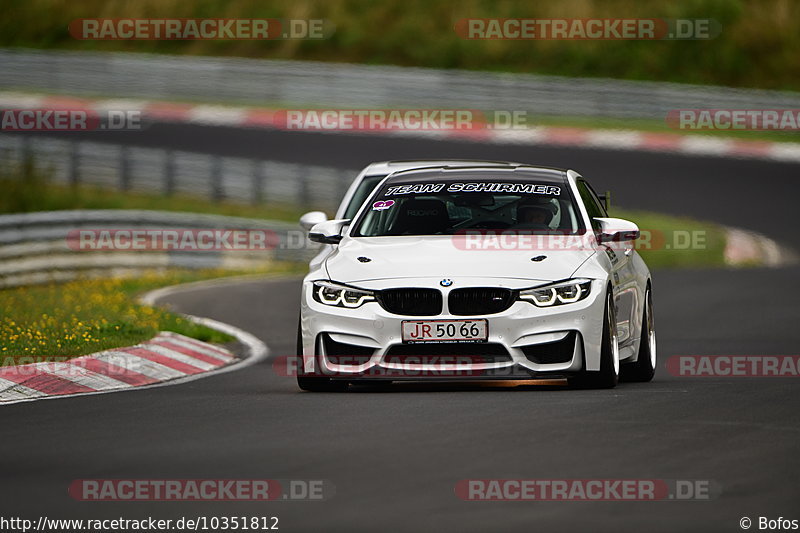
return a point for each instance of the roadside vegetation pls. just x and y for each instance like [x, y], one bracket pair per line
[756, 47]
[660, 126]
[676, 242]
[51, 322]
[58, 321]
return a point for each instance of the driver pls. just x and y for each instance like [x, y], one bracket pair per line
[538, 214]
[534, 215]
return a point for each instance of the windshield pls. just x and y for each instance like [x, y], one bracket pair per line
[446, 208]
[363, 190]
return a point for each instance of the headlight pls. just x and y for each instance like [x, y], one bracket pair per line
[562, 292]
[330, 293]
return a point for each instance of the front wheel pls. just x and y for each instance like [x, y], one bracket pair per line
[645, 366]
[608, 375]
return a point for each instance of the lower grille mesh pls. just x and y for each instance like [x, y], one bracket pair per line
[473, 353]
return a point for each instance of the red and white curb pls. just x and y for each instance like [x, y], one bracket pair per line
[167, 359]
[218, 115]
[748, 248]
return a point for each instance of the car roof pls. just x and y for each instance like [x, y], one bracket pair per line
[455, 173]
[388, 167]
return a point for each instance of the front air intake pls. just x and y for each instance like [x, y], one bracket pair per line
[551, 352]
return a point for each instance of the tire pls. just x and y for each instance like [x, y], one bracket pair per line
[314, 383]
[608, 375]
[644, 368]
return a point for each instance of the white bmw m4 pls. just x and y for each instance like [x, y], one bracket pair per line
[502, 272]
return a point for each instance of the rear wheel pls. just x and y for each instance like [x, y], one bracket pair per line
[314, 383]
[608, 375]
[645, 366]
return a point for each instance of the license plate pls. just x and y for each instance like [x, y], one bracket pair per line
[445, 331]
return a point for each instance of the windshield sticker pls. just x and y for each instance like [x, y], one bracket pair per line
[382, 205]
[418, 188]
[524, 188]
[519, 188]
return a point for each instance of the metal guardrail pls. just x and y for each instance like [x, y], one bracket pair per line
[272, 82]
[160, 171]
[236, 80]
[34, 246]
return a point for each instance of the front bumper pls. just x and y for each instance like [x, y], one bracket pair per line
[525, 341]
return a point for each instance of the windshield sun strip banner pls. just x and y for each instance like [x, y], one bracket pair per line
[495, 187]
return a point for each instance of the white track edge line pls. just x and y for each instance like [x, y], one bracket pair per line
[257, 350]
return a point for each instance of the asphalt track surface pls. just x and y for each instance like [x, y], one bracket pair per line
[395, 455]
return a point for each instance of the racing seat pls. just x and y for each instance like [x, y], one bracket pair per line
[421, 216]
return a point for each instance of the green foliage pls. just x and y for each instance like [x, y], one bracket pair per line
[757, 46]
[85, 316]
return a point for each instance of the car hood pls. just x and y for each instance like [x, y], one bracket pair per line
[441, 256]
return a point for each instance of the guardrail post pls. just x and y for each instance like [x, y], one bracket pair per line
[124, 168]
[26, 162]
[169, 172]
[258, 182]
[216, 179]
[305, 193]
[27, 150]
[74, 163]
[345, 178]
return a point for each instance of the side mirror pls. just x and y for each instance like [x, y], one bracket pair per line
[329, 232]
[311, 219]
[616, 230]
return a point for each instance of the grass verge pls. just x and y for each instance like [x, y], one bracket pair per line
[661, 126]
[59, 321]
[676, 242]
